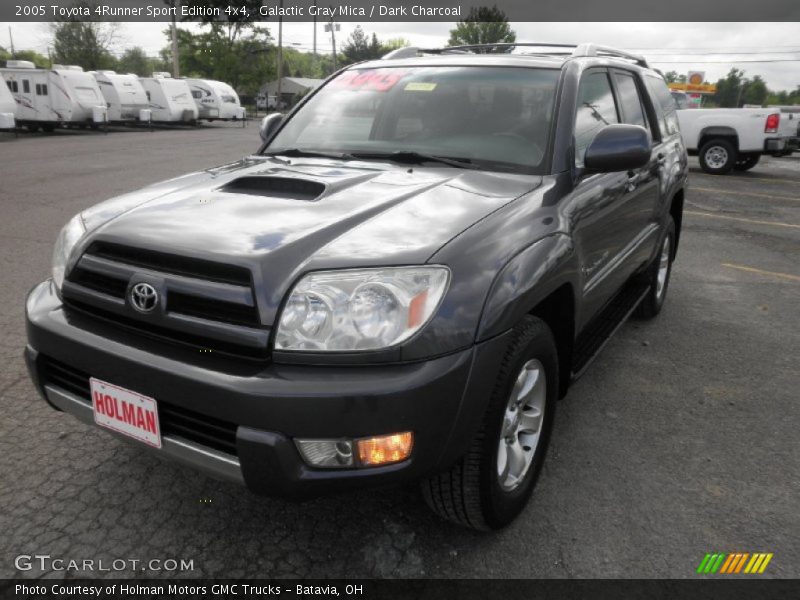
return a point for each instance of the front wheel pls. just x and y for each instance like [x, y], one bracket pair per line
[657, 275]
[492, 483]
[717, 157]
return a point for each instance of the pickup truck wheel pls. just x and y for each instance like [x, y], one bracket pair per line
[491, 484]
[657, 275]
[717, 157]
[745, 163]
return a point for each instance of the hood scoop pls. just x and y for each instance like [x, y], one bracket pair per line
[275, 187]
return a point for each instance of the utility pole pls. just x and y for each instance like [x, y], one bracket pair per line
[315, 31]
[176, 65]
[11, 39]
[333, 27]
[280, 59]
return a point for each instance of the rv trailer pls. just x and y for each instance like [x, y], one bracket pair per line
[216, 100]
[8, 107]
[124, 95]
[170, 99]
[48, 98]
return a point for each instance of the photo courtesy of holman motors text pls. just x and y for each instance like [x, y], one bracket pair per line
[399, 299]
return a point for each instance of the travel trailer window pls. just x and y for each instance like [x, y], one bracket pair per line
[26, 86]
[12, 85]
[228, 98]
[197, 94]
[41, 89]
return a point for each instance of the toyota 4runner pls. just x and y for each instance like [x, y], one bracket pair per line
[397, 286]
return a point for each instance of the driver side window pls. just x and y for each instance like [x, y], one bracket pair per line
[596, 109]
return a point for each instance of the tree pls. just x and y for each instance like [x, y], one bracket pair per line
[135, 60]
[483, 25]
[40, 61]
[755, 91]
[359, 47]
[84, 43]
[729, 89]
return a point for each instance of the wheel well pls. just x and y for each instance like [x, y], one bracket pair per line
[558, 311]
[714, 133]
[676, 210]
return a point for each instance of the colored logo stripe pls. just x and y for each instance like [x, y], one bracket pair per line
[734, 562]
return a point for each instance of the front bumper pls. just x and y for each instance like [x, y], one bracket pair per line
[441, 400]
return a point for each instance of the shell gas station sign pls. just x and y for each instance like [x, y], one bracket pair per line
[694, 84]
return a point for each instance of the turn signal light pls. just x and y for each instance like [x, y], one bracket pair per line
[385, 449]
[773, 121]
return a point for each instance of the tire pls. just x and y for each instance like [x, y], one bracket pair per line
[718, 156]
[652, 303]
[745, 163]
[474, 493]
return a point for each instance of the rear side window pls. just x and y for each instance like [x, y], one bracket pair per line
[664, 104]
[41, 89]
[26, 86]
[630, 102]
[596, 109]
[12, 85]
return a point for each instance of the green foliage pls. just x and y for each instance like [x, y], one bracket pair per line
[40, 61]
[360, 47]
[482, 25]
[83, 43]
[135, 60]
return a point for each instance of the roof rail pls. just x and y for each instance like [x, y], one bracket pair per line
[571, 50]
[595, 50]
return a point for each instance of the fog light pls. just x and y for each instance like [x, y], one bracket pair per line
[326, 453]
[385, 449]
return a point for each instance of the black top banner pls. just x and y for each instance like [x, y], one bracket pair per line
[397, 10]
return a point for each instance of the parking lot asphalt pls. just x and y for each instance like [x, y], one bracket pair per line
[681, 439]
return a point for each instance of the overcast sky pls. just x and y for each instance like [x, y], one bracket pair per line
[668, 46]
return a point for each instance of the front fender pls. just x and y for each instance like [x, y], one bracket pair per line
[527, 279]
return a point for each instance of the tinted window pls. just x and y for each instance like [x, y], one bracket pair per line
[631, 103]
[13, 86]
[596, 109]
[496, 117]
[41, 89]
[26, 86]
[664, 104]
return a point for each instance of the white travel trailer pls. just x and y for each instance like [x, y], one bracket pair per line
[216, 100]
[8, 107]
[170, 99]
[124, 95]
[49, 98]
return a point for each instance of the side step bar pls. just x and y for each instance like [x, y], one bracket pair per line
[596, 335]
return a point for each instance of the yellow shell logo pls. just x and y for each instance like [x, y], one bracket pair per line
[696, 79]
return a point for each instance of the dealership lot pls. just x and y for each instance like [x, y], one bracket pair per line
[681, 439]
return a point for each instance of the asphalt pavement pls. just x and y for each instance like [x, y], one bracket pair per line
[681, 439]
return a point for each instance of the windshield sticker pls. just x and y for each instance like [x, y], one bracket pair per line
[419, 86]
[371, 80]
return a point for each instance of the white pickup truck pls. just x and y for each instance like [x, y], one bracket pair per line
[726, 139]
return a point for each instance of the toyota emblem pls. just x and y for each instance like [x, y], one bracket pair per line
[144, 297]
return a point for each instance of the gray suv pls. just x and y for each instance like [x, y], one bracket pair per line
[397, 286]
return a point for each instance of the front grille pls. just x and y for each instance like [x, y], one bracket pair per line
[171, 263]
[204, 304]
[174, 420]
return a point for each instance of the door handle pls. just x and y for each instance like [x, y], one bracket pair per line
[661, 158]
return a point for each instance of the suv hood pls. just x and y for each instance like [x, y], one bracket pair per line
[284, 217]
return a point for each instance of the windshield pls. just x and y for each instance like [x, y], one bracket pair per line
[494, 117]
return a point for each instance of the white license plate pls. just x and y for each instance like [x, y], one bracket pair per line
[126, 412]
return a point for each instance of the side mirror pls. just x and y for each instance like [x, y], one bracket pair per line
[269, 125]
[618, 148]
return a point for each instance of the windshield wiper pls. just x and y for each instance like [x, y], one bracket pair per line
[417, 157]
[297, 152]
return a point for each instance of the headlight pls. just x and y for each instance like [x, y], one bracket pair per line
[364, 309]
[70, 235]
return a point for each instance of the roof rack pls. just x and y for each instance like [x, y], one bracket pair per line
[577, 50]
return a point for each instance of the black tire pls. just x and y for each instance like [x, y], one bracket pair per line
[470, 494]
[651, 305]
[718, 156]
[48, 128]
[745, 163]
